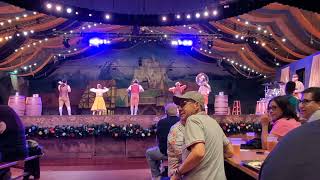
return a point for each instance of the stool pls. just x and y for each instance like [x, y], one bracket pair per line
[236, 108]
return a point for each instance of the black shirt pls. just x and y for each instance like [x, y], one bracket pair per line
[163, 128]
[12, 140]
[296, 157]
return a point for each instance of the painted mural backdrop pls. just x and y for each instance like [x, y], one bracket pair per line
[157, 67]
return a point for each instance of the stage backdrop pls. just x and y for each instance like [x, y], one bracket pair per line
[156, 66]
[306, 68]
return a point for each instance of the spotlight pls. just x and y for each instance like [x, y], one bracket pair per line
[246, 23]
[49, 6]
[25, 15]
[188, 16]
[65, 42]
[209, 44]
[164, 18]
[17, 18]
[58, 8]
[215, 12]
[178, 16]
[97, 41]
[206, 14]
[107, 16]
[9, 21]
[69, 10]
[263, 44]
[236, 36]
[25, 33]
[90, 15]
[259, 28]
[284, 40]
[181, 42]
[77, 13]
[197, 15]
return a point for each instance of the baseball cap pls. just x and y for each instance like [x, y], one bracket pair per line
[190, 95]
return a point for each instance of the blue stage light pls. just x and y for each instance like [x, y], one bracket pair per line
[97, 41]
[181, 42]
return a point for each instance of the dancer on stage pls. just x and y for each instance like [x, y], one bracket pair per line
[99, 105]
[299, 86]
[178, 89]
[204, 89]
[134, 89]
[64, 90]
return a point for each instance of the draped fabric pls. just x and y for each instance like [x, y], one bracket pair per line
[314, 80]
[285, 73]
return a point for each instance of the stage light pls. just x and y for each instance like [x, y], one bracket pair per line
[200, 31]
[90, 15]
[270, 34]
[197, 15]
[35, 64]
[16, 50]
[18, 34]
[9, 21]
[236, 36]
[107, 16]
[242, 48]
[1, 23]
[25, 68]
[164, 18]
[46, 39]
[242, 37]
[49, 6]
[97, 41]
[188, 16]
[34, 13]
[277, 64]
[246, 23]
[206, 14]
[58, 8]
[238, 20]
[178, 16]
[69, 10]
[165, 36]
[17, 18]
[25, 33]
[77, 13]
[259, 28]
[215, 12]
[31, 31]
[181, 42]
[25, 15]
[263, 44]
[265, 31]
[284, 40]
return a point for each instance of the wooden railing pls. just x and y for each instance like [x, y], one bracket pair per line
[19, 164]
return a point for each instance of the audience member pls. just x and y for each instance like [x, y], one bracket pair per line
[297, 155]
[155, 154]
[282, 115]
[206, 144]
[12, 138]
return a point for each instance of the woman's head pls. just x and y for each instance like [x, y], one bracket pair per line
[279, 107]
[99, 86]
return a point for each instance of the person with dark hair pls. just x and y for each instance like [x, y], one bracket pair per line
[155, 154]
[290, 88]
[297, 155]
[12, 138]
[282, 115]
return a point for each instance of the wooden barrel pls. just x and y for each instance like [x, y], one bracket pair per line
[33, 106]
[18, 104]
[221, 105]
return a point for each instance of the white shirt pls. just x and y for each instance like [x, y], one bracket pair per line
[315, 116]
[99, 92]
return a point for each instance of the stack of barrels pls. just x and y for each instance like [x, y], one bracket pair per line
[221, 104]
[29, 106]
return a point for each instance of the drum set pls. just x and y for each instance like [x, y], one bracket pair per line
[271, 90]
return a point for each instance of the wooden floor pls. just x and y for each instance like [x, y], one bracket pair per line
[95, 169]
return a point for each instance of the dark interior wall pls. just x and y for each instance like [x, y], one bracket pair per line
[5, 88]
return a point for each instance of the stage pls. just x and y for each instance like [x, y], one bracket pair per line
[104, 147]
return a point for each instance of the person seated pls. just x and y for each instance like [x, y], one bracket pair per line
[12, 139]
[282, 115]
[155, 154]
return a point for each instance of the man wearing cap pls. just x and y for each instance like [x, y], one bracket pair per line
[205, 143]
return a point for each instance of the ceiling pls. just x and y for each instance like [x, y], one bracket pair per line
[260, 40]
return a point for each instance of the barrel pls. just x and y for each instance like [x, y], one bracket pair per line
[221, 105]
[18, 104]
[33, 106]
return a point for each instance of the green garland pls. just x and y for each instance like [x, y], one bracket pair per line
[131, 131]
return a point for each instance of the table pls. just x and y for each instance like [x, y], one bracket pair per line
[235, 161]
